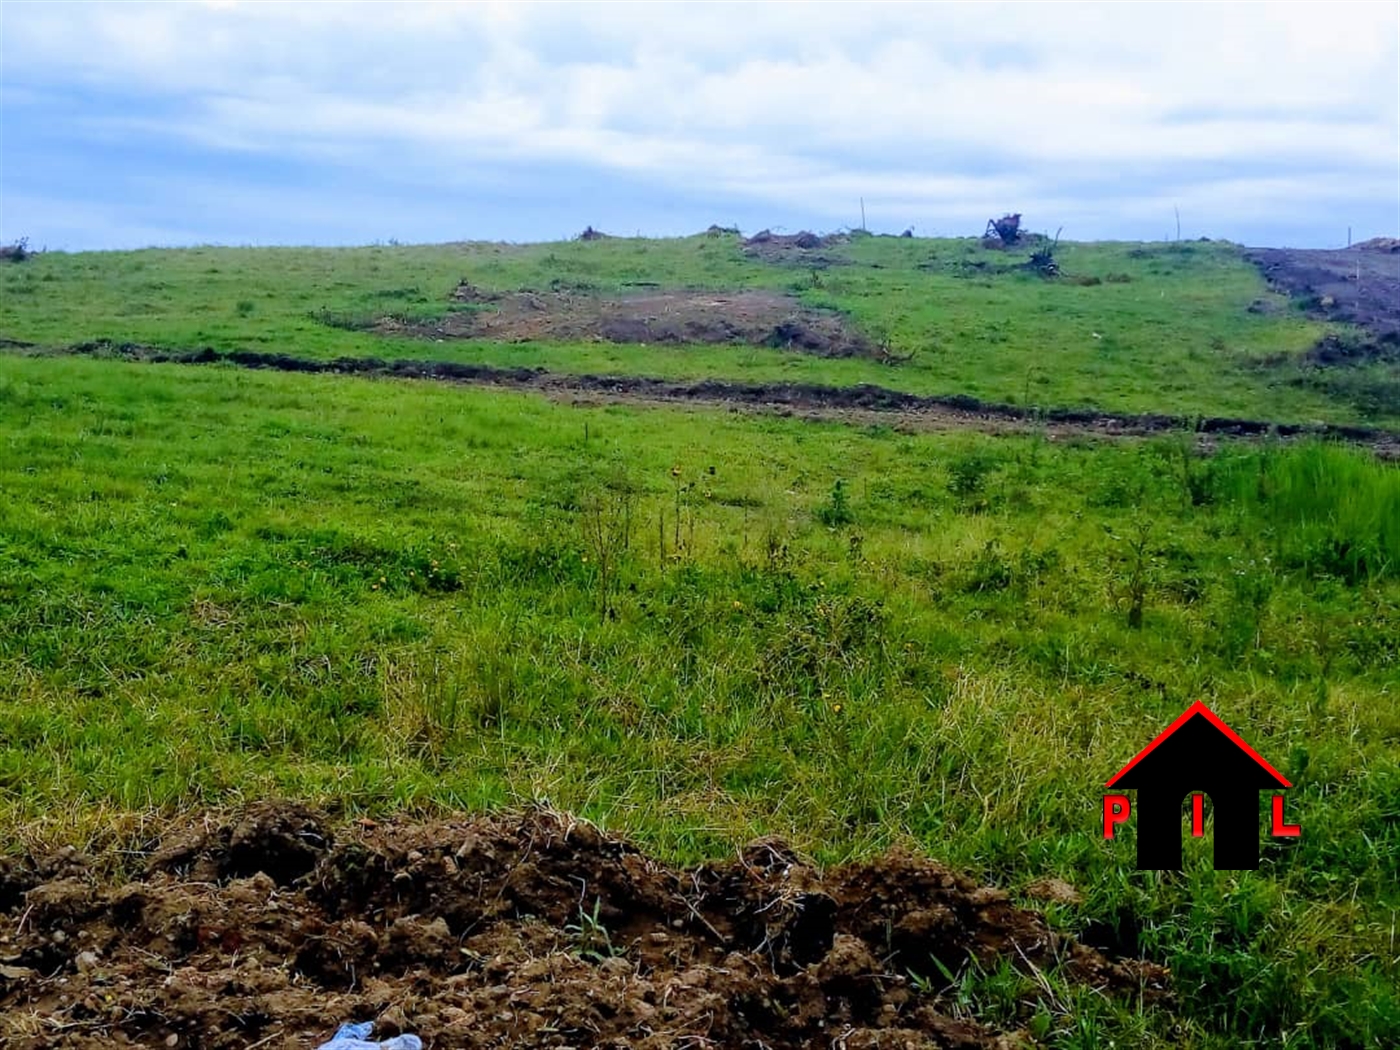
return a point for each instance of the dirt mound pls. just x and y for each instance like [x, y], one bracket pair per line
[754, 318]
[799, 249]
[1379, 244]
[272, 927]
[1332, 350]
[1358, 287]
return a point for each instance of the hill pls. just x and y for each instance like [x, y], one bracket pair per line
[326, 687]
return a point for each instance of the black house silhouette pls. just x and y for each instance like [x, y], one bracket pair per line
[1198, 752]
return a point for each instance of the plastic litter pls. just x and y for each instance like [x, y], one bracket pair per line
[357, 1037]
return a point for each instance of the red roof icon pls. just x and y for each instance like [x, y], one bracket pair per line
[1200, 709]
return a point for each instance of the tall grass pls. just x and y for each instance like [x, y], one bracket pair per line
[1322, 507]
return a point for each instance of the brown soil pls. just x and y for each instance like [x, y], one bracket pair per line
[796, 249]
[863, 403]
[753, 318]
[1359, 285]
[272, 926]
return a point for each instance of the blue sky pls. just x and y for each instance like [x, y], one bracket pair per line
[129, 125]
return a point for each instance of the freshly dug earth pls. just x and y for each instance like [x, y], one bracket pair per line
[794, 249]
[271, 927]
[755, 318]
[1358, 285]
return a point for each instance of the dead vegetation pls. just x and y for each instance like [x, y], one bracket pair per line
[1042, 260]
[17, 252]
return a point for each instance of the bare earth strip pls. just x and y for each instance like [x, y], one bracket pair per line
[863, 403]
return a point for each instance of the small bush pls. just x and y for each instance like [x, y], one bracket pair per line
[836, 511]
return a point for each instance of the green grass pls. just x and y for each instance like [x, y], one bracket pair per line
[219, 584]
[1166, 329]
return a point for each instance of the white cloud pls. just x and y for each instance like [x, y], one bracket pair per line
[905, 104]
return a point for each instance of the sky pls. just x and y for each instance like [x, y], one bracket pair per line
[132, 125]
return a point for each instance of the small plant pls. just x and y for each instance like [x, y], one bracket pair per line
[1251, 585]
[836, 511]
[1139, 563]
[966, 479]
[244, 308]
[777, 555]
[991, 570]
[607, 534]
[17, 252]
[591, 938]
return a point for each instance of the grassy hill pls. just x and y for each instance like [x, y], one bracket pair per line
[698, 627]
[1135, 328]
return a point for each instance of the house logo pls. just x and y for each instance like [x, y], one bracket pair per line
[1197, 755]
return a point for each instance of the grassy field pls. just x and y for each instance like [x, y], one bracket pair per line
[1166, 329]
[699, 627]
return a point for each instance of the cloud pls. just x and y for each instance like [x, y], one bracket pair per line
[925, 110]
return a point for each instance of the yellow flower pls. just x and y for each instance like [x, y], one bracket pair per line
[738, 605]
[383, 580]
[676, 471]
[836, 708]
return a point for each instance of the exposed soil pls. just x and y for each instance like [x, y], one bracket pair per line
[754, 318]
[1358, 285]
[795, 249]
[272, 926]
[862, 403]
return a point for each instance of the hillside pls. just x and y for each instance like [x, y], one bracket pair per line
[1186, 329]
[329, 689]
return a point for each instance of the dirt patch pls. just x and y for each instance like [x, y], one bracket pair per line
[271, 927]
[753, 318]
[1332, 350]
[863, 403]
[1359, 285]
[795, 249]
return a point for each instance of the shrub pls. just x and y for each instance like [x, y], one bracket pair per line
[836, 511]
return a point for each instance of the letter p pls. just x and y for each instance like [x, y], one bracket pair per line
[1116, 810]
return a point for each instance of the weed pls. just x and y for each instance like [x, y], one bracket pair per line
[836, 512]
[607, 532]
[591, 938]
[1138, 564]
[967, 479]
